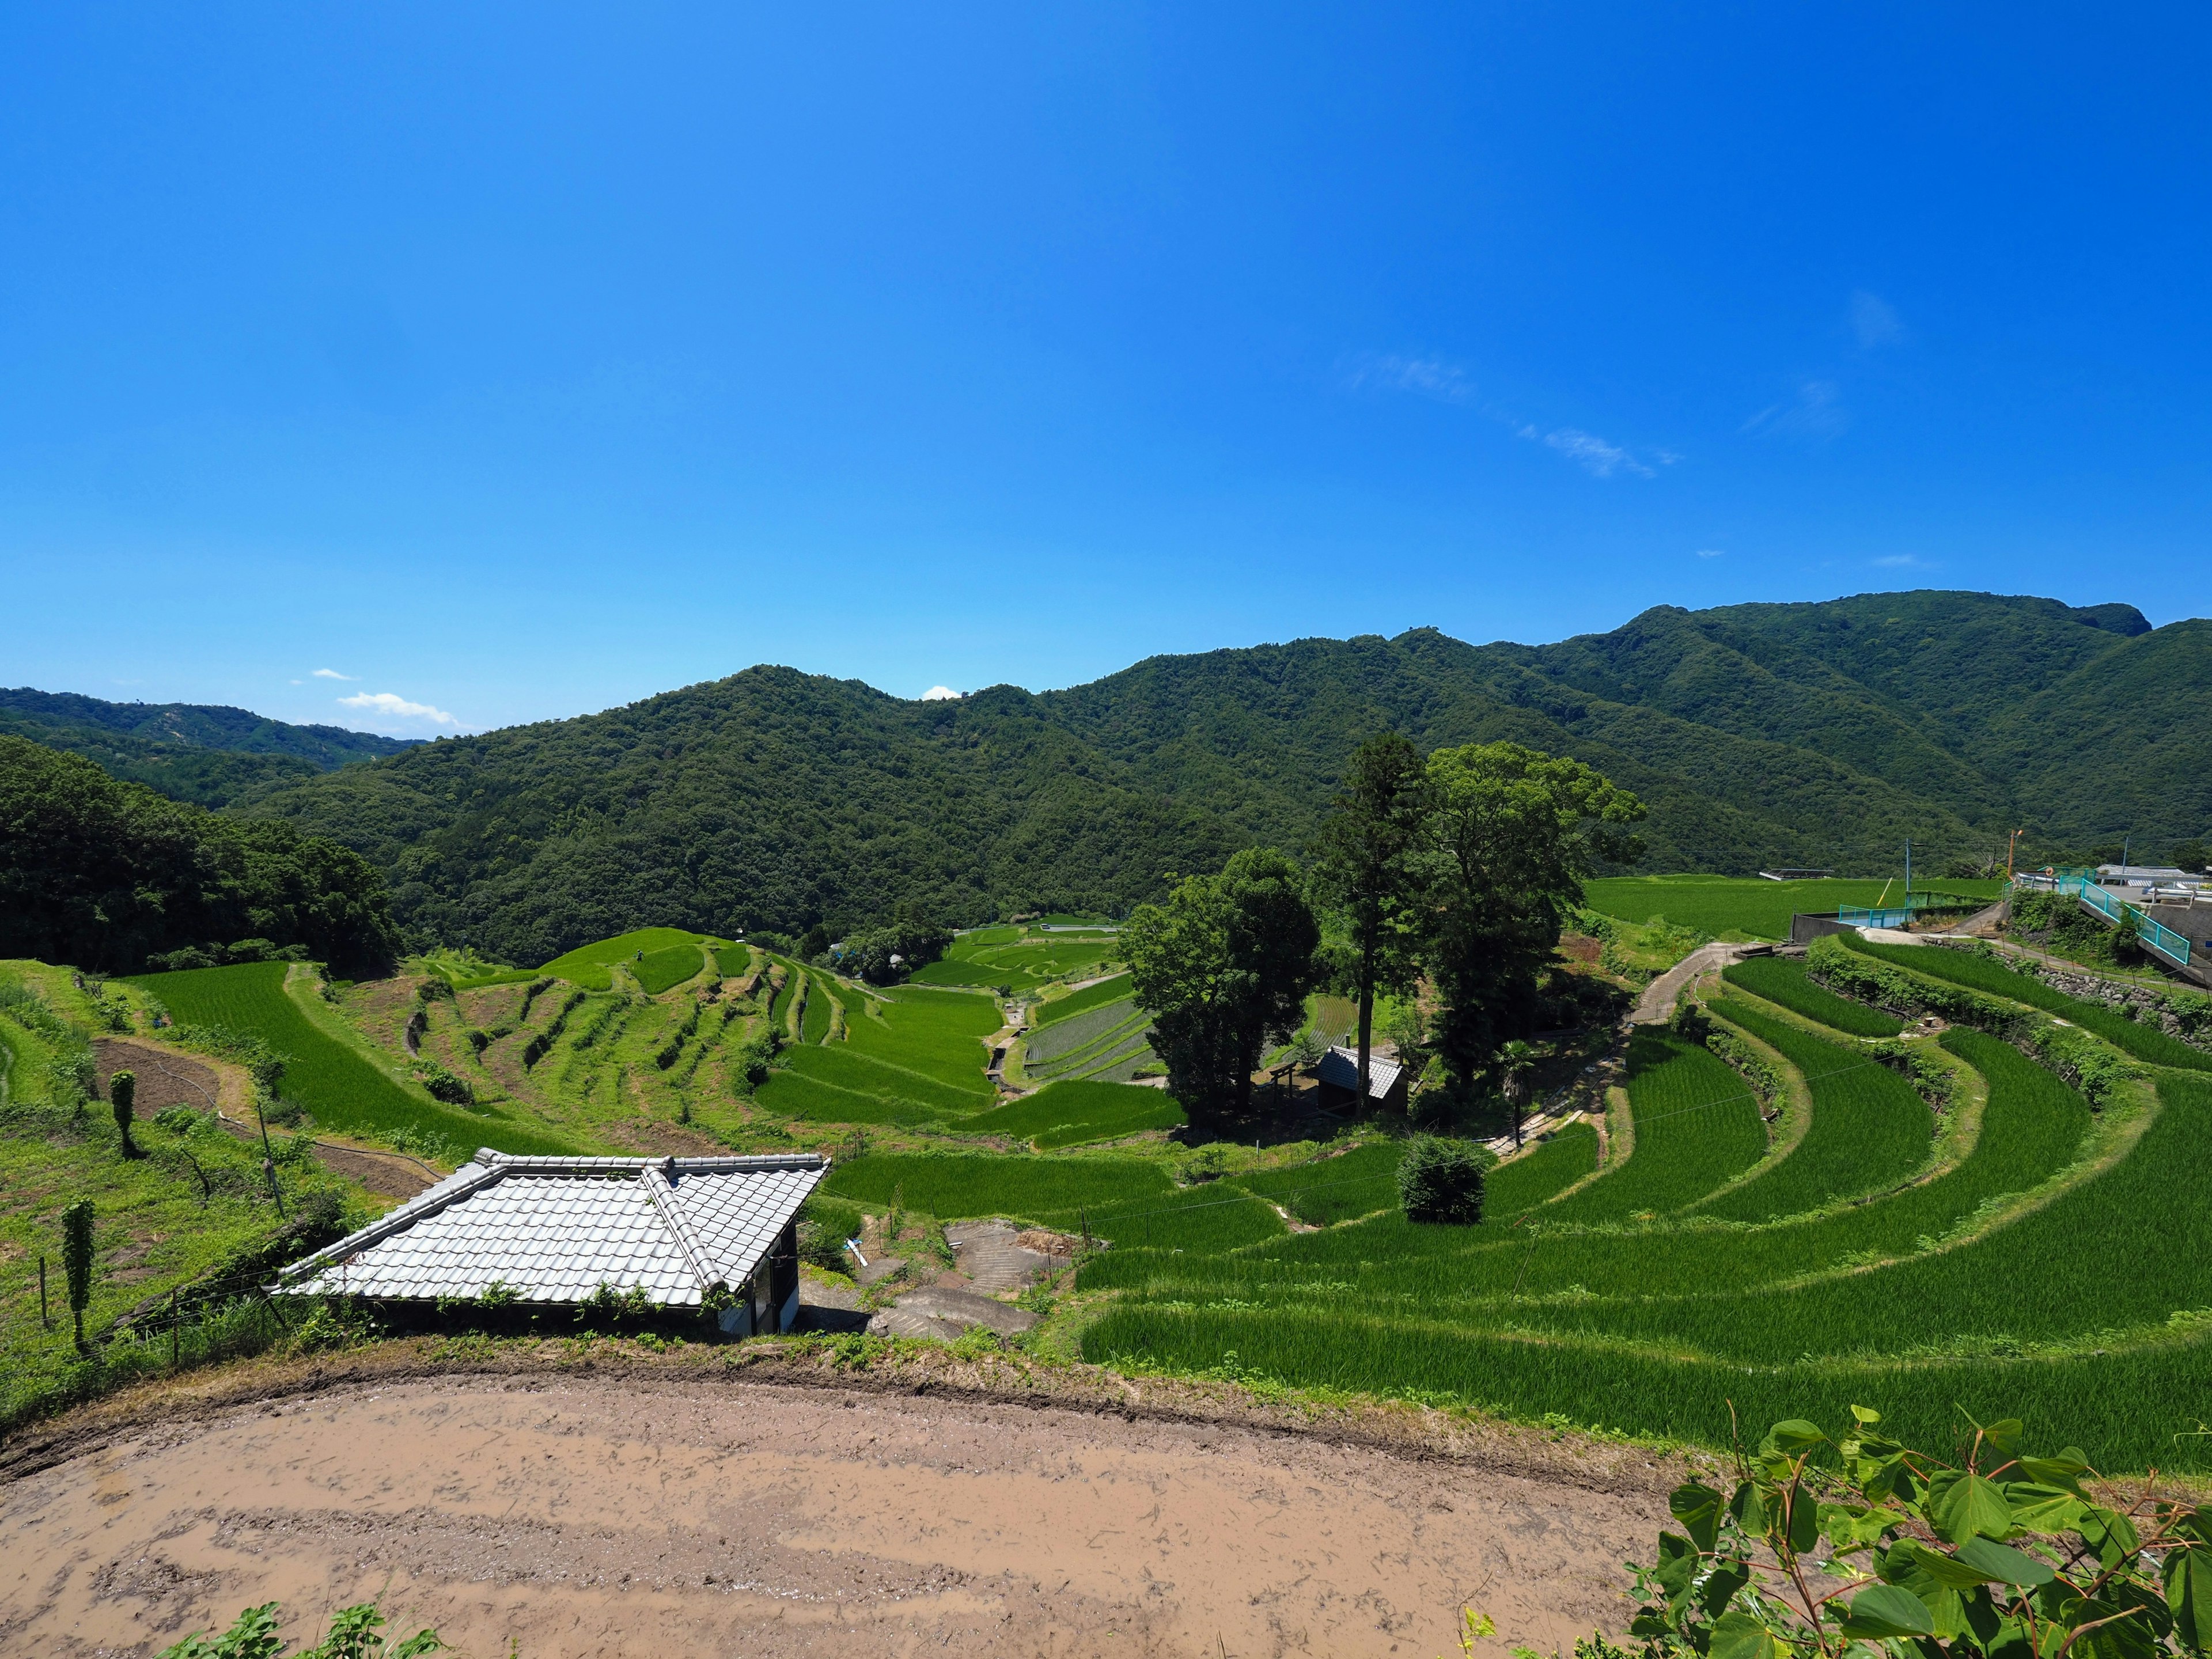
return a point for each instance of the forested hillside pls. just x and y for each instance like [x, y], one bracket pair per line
[1821, 734]
[101, 873]
[210, 755]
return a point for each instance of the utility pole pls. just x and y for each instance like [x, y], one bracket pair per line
[1908, 874]
[2012, 844]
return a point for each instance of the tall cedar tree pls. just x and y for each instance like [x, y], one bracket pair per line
[77, 1259]
[1367, 868]
[1224, 967]
[1514, 832]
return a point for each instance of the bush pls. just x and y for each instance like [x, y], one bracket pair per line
[1441, 1181]
[824, 1224]
[444, 1085]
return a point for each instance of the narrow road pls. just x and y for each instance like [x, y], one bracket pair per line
[1656, 1005]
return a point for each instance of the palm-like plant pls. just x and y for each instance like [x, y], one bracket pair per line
[1517, 1076]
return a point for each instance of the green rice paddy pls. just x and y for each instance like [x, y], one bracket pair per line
[1870, 1129]
[1783, 982]
[1749, 907]
[665, 970]
[587, 965]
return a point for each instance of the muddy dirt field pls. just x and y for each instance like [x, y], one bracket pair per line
[591, 1516]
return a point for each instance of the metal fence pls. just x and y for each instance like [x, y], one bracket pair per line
[2082, 884]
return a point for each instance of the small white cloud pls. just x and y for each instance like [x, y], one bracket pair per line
[332, 674]
[940, 694]
[1593, 455]
[1897, 561]
[393, 706]
[1814, 413]
[1874, 321]
[1426, 377]
[1710, 553]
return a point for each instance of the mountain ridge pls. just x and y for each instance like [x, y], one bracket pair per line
[1819, 733]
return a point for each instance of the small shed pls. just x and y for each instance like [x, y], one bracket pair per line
[1339, 1076]
[685, 1232]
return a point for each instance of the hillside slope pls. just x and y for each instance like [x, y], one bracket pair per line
[209, 755]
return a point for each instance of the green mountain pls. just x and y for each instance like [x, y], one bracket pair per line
[209, 756]
[1821, 734]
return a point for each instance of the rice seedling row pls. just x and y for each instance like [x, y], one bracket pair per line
[1870, 1129]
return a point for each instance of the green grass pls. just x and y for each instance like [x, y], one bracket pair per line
[1072, 1114]
[1077, 1002]
[1747, 906]
[1783, 982]
[1978, 972]
[733, 961]
[1697, 1127]
[665, 970]
[586, 965]
[1870, 1129]
[937, 1035]
[341, 1086]
[1540, 1173]
[1020, 961]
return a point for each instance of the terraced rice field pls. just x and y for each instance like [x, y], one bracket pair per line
[1783, 982]
[1076, 1113]
[2028, 1259]
[341, 1086]
[1870, 1129]
[1979, 972]
[588, 965]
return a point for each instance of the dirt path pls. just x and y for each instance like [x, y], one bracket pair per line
[633, 1516]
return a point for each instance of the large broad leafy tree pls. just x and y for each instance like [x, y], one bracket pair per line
[1513, 832]
[1368, 872]
[1224, 967]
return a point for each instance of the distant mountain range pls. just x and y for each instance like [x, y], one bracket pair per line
[209, 756]
[1821, 734]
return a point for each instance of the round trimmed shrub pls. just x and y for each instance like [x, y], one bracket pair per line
[1440, 1181]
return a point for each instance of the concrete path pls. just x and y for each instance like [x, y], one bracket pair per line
[1656, 1005]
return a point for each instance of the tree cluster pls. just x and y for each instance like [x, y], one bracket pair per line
[1457, 869]
[105, 874]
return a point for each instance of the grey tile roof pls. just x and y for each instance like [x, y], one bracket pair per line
[1339, 1069]
[555, 1228]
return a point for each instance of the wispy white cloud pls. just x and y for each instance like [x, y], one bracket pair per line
[1815, 412]
[1710, 553]
[299, 682]
[940, 694]
[1424, 377]
[1898, 561]
[1875, 321]
[394, 707]
[1591, 452]
[332, 674]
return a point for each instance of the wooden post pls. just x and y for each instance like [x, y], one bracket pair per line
[172, 1328]
[45, 1318]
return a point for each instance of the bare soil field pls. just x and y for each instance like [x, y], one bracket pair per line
[654, 1513]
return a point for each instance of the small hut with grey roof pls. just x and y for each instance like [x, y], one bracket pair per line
[709, 1234]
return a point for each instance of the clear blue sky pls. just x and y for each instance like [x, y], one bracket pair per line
[520, 362]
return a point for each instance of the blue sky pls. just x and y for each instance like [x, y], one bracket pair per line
[515, 363]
